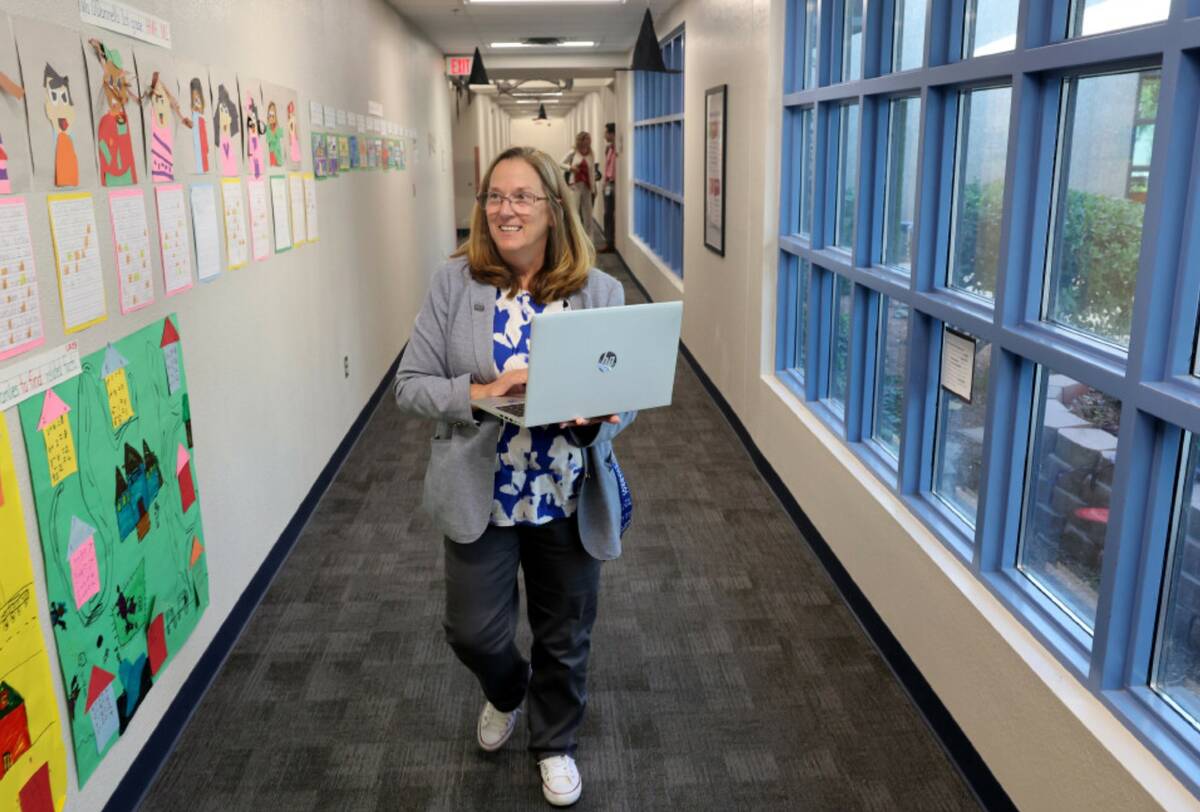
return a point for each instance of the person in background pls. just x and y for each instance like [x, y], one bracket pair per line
[582, 172]
[545, 500]
[610, 188]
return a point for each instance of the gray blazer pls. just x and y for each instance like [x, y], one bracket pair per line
[451, 347]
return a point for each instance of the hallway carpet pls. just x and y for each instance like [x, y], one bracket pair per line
[726, 672]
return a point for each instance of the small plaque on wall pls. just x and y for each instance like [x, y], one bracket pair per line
[715, 105]
[958, 363]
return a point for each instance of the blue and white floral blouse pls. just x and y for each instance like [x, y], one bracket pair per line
[538, 470]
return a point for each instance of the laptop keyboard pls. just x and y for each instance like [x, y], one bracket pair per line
[515, 409]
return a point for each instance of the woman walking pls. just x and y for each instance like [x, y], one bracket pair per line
[582, 171]
[544, 499]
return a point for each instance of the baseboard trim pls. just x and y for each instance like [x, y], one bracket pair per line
[966, 759]
[145, 767]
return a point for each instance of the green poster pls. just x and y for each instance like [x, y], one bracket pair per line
[114, 479]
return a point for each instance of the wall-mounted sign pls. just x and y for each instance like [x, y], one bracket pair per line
[958, 363]
[715, 106]
[458, 65]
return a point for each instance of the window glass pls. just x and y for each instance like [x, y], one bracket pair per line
[989, 27]
[1176, 671]
[1105, 139]
[809, 70]
[852, 40]
[1098, 16]
[1068, 489]
[904, 123]
[839, 345]
[908, 45]
[803, 275]
[958, 443]
[981, 155]
[847, 186]
[889, 377]
[808, 161]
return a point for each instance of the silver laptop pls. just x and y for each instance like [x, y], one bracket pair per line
[595, 362]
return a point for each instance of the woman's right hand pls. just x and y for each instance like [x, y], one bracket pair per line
[510, 382]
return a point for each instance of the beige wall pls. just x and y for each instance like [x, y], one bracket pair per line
[550, 136]
[264, 345]
[480, 125]
[1047, 739]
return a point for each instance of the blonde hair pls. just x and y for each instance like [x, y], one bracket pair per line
[569, 250]
[582, 134]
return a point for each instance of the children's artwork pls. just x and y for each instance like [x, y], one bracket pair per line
[355, 155]
[197, 98]
[20, 309]
[400, 149]
[163, 114]
[320, 157]
[34, 764]
[205, 231]
[296, 199]
[56, 103]
[131, 242]
[237, 248]
[15, 163]
[256, 128]
[260, 226]
[114, 94]
[343, 149]
[77, 259]
[275, 100]
[292, 114]
[310, 207]
[118, 548]
[173, 239]
[279, 213]
[226, 124]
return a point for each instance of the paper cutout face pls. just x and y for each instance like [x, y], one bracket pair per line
[274, 135]
[160, 104]
[197, 93]
[293, 136]
[162, 134]
[225, 127]
[254, 137]
[60, 110]
[199, 125]
[113, 137]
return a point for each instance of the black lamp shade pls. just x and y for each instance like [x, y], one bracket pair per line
[541, 116]
[646, 53]
[478, 74]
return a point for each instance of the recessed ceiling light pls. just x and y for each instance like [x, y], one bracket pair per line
[545, 2]
[539, 94]
[583, 43]
[509, 45]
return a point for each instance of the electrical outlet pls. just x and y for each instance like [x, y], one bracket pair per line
[346, 365]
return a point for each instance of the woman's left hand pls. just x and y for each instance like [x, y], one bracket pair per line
[580, 422]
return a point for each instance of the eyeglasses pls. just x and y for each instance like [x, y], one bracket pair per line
[521, 202]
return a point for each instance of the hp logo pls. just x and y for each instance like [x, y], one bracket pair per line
[607, 361]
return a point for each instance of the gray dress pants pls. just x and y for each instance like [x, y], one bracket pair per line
[561, 586]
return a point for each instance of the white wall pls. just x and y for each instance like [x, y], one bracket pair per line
[479, 125]
[551, 136]
[263, 345]
[1046, 738]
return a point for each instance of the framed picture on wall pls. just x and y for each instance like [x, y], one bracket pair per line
[715, 106]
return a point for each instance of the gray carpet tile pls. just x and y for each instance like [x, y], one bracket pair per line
[726, 671]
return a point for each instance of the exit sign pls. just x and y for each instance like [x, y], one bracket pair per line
[458, 65]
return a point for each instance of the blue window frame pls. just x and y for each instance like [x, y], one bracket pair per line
[1053, 181]
[658, 156]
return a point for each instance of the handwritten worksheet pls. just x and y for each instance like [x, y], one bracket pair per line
[173, 239]
[279, 211]
[77, 259]
[237, 249]
[296, 194]
[20, 310]
[206, 232]
[310, 206]
[260, 224]
[131, 242]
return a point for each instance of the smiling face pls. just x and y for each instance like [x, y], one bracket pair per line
[59, 109]
[224, 120]
[518, 234]
[272, 117]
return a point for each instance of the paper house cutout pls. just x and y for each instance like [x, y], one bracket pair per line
[136, 490]
[14, 728]
[183, 470]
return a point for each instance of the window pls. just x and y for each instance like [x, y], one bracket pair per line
[852, 40]
[1068, 490]
[958, 441]
[980, 159]
[904, 124]
[847, 176]
[658, 157]
[1104, 144]
[969, 229]
[1175, 675]
[892, 355]
[989, 27]
[1097, 16]
[839, 344]
[808, 158]
[908, 44]
[809, 67]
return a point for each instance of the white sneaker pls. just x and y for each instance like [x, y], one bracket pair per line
[561, 784]
[495, 726]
